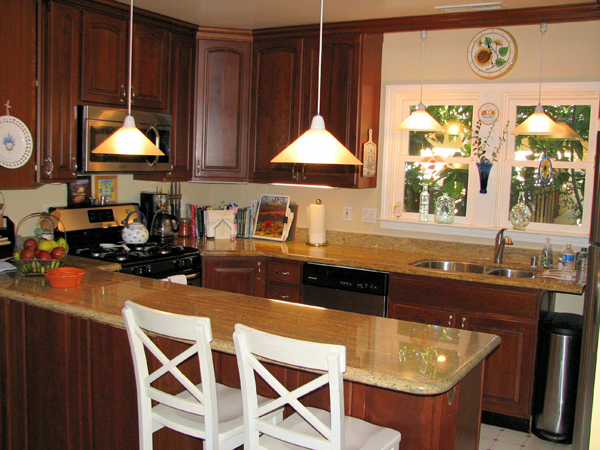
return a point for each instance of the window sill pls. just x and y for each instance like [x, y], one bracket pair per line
[462, 230]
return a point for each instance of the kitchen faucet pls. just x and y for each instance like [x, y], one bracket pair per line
[500, 242]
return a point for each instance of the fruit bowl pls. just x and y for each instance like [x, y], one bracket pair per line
[64, 277]
[40, 244]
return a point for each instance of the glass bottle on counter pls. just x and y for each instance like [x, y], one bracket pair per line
[424, 204]
[582, 265]
[567, 271]
[547, 256]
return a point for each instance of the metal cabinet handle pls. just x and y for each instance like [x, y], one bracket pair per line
[48, 166]
[450, 320]
[282, 273]
[281, 296]
[259, 267]
[124, 93]
[463, 323]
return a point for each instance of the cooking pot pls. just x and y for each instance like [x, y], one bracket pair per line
[135, 232]
[164, 226]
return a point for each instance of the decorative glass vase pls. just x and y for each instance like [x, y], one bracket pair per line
[484, 174]
[520, 214]
[444, 209]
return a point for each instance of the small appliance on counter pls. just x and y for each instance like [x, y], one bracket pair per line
[7, 235]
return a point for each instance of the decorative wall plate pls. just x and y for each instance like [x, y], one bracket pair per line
[492, 53]
[488, 113]
[15, 142]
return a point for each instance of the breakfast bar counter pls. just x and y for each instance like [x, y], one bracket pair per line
[423, 380]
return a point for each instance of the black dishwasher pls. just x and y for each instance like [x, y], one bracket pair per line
[346, 289]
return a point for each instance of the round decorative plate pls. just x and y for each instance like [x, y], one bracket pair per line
[492, 53]
[488, 113]
[15, 142]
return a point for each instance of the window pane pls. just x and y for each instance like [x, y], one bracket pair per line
[574, 148]
[452, 179]
[455, 141]
[559, 202]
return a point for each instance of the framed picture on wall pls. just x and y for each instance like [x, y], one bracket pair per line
[79, 193]
[106, 187]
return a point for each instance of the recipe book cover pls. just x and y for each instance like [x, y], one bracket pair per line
[271, 218]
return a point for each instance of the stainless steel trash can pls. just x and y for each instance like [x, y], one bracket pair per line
[557, 371]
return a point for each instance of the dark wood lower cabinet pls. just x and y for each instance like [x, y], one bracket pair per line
[68, 383]
[233, 274]
[511, 313]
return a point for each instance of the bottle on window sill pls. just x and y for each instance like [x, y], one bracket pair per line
[424, 204]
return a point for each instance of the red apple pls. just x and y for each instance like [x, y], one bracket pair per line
[27, 253]
[58, 253]
[43, 255]
[37, 252]
[30, 243]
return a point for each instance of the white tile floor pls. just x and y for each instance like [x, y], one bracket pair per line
[494, 438]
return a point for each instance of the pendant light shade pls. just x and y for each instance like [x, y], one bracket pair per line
[539, 123]
[317, 145]
[420, 119]
[128, 140]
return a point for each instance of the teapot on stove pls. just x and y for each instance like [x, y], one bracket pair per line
[164, 226]
[134, 232]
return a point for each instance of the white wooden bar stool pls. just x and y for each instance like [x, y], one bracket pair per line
[209, 411]
[307, 427]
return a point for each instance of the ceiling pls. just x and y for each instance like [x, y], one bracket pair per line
[257, 14]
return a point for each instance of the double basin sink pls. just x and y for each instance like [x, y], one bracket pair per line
[473, 267]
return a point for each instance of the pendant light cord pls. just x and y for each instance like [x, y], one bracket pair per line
[543, 28]
[320, 58]
[130, 59]
[423, 37]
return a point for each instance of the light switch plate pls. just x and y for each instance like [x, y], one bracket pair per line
[347, 214]
[369, 215]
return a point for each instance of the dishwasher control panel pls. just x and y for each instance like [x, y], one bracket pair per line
[346, 278]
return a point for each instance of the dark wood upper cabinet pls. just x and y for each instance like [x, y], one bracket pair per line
[105, 61]
[222, 110]
[276, 105]
[18, 82]
[285, 99]
[61, 44]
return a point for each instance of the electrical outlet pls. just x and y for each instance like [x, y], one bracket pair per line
[347, 213]
[369, 215]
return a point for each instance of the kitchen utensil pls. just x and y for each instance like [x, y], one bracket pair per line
[135, 232]
[163, 227]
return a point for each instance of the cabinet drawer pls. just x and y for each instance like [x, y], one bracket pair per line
[283, 271]
[284, 292]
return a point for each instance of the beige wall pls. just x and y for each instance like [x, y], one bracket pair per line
[570, 55]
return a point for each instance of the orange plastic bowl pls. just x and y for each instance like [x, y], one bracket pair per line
[64, 277]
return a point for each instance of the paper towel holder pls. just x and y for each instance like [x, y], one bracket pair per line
[321, 244]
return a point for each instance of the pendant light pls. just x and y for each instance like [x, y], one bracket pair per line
[317, 145]
[128, 140]
[539, 123]
[420, 119]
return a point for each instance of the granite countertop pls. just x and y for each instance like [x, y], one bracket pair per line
[393, 354]
[377, 259]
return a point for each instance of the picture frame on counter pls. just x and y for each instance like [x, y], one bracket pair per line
[106, 188]
[272, 218]
[79, 193]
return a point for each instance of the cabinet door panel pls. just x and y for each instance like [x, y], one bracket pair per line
[283, 292]
[421, 315]
[238, 275]
[60, 93]
[104, 59]
[223, 99]
[150, 67]
[282, 271]
[275, 112]
[509, 370]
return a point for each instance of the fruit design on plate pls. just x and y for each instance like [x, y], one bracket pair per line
[37, 256]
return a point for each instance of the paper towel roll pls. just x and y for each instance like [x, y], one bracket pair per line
[317, 230]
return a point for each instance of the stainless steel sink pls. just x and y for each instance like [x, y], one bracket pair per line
[473, 267]
[450, 266]
[512, 273]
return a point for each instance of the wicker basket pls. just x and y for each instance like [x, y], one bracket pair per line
[45, 226]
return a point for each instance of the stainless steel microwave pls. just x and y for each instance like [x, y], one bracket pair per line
[96, 123]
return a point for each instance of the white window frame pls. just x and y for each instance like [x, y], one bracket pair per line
[489, 217]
